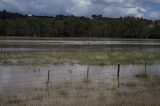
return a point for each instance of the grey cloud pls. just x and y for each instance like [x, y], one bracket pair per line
[112, 3]
[109, 8]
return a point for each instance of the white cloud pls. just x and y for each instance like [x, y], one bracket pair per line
[154, 15]
[108, 8]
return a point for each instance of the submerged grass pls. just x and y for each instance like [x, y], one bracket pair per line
[131, 84]
[81, 57]
[142, 75]
[87, 95]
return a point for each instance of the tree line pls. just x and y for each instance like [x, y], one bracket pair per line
[15, 24]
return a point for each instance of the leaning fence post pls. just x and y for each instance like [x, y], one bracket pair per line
[118, 71]
[48, 77]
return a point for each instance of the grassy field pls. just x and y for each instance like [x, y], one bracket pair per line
[80, 57]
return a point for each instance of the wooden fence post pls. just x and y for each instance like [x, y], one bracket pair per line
[118, 74]
[118, 82]
[145, 66]
[88, 74]
[118, 71]
[48, 77]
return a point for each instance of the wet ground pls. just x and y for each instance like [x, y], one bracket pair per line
[70, 85]
[76, 44]
[73, 84]
[13, 77]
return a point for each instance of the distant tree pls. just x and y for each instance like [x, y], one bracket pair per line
[96, 16]
[15, 24]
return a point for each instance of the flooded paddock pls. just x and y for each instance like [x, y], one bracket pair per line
[13, 77]
[69, 85]
[85, 76]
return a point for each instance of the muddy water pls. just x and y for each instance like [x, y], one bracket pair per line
[14, 77]
[91, 48]
[87, 44]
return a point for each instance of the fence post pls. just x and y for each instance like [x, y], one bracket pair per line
[87, 73]
[1, 50]
[118, 82]
[145, 67]
[118, 71]
[48, 77]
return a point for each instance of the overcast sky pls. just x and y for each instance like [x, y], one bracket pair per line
[149, 9]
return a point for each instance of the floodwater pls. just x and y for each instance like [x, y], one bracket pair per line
[15, 77]
[59, 45]
[138, 49]
[86, 42]
[27, 83]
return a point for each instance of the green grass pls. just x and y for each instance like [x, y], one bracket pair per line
[81, 57]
